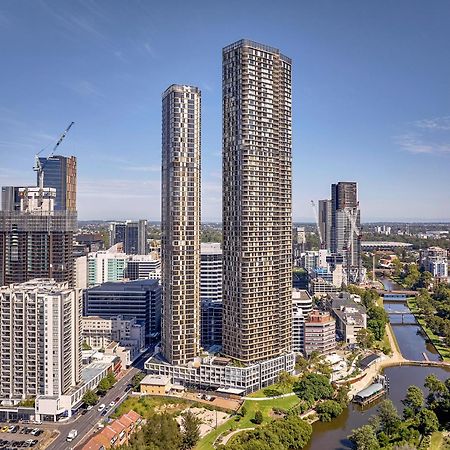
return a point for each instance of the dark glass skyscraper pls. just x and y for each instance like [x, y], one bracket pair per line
[60, 172]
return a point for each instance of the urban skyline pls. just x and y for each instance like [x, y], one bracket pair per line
[337, 75]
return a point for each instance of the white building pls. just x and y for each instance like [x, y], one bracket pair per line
[211, 272]
[302, 306]
[106, 265]
[143, 266]
[40, 339]
[435, 261]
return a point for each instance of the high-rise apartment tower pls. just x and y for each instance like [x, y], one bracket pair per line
[257, 205]
[180, 223]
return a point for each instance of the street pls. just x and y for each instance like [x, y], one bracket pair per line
[86, 424]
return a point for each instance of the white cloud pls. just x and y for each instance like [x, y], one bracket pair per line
[436, 123]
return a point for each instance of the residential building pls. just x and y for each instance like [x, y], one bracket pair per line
[60, 173]
[302, 307]
[143, 266]
[298, 244]
[40, 340]
[36, 241]
[435, 261]
[211, 272]
[155, 385]
[350, 317]
[132, 234]
[107, 265]
[10, 198]
[325, 217]
[81, 272]
[99, 332]
[257, 204]
[180, 223]
[346, 229]
[140, 299]
[320, 333]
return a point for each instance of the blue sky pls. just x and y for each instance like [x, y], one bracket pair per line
[371, 96]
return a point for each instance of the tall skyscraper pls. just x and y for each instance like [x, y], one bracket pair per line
[60, 173]
[10, 198]
[180, 223]
[36, 241]
[345, 228]
[133, 235]
[257, 206]
[325, 214]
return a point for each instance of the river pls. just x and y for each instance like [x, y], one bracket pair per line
[333, 435]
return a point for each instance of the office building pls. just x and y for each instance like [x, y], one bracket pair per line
[435, 261]
[143, 266]
[325, 215]
[10, 198]
[257, 206]
[211, 324]
[180, 223]
[106, 265]
[211, 272]
[36, 241]
[346, 229]
[320, 333]
[132, 234]
[298, 244]
[302, 307]
[140, 299]
[60, 173]
[40, 340]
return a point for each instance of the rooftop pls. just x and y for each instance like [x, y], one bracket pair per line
[156, 380]
[120, 286]
[369, 391]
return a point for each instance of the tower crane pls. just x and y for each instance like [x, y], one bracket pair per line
[316, 216]
[39, 167]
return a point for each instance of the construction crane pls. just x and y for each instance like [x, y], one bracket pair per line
[316, 216]
[39, 167]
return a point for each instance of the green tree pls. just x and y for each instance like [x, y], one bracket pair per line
[313, 386]
[364, 438]
[414, 399]
[90, 398]
[136, 380]
[328, 410]
[191, 430]
[427, 422]
[258, 418]
[365, 338]
[301, 364]
[285, 379]
[103, 386]
[388, 417]
[111, 378]
[243, 411]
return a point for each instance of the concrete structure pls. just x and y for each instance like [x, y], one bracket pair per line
[435, 261]
[211, 323]
[325, 219]
[60, 173]
[345, 229]
[117, 433]
[143, 266]
[155, 385]
[132, 234]
[320, 333]
[10, 198]
[211, 272]
[180, 223]
[140, 299]
[106, 265]
[40, 339]
[298, 245]
[302, 307]
[383, 245]
[350, 317]
[99, 332]
[36, 241]
[81, 272]
[257, 206]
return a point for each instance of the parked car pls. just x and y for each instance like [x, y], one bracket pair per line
[112, 404]
[89, 407]
[101, 407]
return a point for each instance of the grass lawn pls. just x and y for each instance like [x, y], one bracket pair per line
[436, 440]
[265, 406]
[282, 389]
[148, 405]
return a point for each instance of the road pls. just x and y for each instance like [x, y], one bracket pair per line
[86, 424]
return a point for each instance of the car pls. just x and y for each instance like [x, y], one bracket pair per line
[104, 412]
[10, 428]
[101, 407]
[111, 404]
[89, 407]
[15, 429]
[33, 443]
[117, 399]
[84, 411]
[35, 431]
[4, 429]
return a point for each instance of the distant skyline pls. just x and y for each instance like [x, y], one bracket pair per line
[371, 97]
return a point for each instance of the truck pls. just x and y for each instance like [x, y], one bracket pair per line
[72, 435]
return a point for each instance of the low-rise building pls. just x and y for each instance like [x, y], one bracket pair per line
[320, 333]
[350, 316]
[155, 385]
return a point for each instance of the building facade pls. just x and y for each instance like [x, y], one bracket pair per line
[106, 266]
[325, 214]
[143, 266]
[302, 307]
[435, 261]
[320, 333]
[132, 234]
[140, 299]
[40, 349]
[257, 224]
[60, 173]
[180, 223]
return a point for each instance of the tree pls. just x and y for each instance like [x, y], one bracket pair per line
[90, 398]
[427, 422]
[285, 379]
[243, 411]
[103, 386]
[328, 410]
[313, 386]
[258, 418]
[136, 380]
[365, 338]
[301, 364]
[437, 389]
[414, 399]
[364, 438]
[388, 417]
[111, 378]
[191, 430]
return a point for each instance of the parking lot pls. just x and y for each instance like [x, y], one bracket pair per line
[14, 436]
